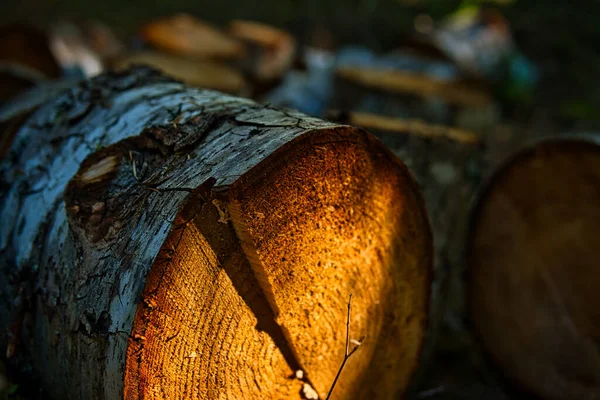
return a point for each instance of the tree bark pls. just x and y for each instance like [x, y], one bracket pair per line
[160, 241]
[533, 268]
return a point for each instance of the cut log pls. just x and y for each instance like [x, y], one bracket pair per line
[405, 94]
[453, 92]
[274, 49]
[16, 111]
[73, 52]
[414, 127]
[185, 35]
[104, 41]
[204, 74]
[533, 269]
[160, 241]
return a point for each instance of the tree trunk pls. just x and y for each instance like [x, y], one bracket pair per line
[160, 241]
[533, 268]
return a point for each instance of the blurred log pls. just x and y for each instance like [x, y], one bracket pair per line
[15, 79]
[29, 47]
[200, 73]
[103, 40]
[408, 94]
[409, 127]
[185, 35]
[274, 49]
[533, 269]
[73, 51]
[453, 92]
[160, 241]
[25, 60]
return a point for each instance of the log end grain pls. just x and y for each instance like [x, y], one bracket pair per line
[253, 285]
[533, 269]
[189, 244]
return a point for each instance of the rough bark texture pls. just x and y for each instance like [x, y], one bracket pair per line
[533, 268]
[160, 241]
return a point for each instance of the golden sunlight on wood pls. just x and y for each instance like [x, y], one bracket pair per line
[196, 334]
[232, 309]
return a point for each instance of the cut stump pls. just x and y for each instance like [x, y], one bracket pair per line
[160, 241]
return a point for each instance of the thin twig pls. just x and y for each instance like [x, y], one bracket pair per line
[133, 165]
[348, 325]
[348, 352]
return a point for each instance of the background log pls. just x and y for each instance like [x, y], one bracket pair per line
[533, 268]
[456, 102]
[515, 233]
[160, 241]
[183, 34]
[28, 47]
[204, 74]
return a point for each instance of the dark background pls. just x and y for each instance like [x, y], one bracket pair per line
[561, 37]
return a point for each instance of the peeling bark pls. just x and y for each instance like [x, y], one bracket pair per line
[158, 242]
